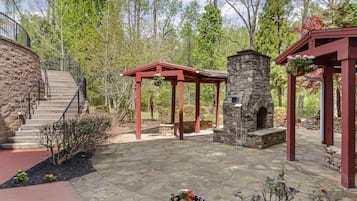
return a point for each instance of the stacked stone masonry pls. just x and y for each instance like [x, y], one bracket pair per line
[248, 105]
[19, 71]
[332, 158]
[188, 127]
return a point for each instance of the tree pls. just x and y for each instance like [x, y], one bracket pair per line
[208, 55]
[273, 37]
[251, 7]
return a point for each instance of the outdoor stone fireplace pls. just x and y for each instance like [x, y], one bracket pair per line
[248, 109]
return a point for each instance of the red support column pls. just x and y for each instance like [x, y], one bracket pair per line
[198, 117]
[328, 106]
[218, 86]
[138, 108]
[173, 101]
[348, 123]
[290, 138]
[180, 85]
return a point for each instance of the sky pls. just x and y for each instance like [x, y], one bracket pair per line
[227, 12]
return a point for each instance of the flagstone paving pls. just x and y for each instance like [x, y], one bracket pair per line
[152, 170]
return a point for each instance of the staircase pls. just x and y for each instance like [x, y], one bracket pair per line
[62, 89]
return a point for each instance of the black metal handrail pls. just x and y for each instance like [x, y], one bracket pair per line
[29, 105]
[47, 84]
[10, 29]
[70, 65]
[79, 97]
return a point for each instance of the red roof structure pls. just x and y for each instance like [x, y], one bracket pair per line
[177, 75]
[335, 51]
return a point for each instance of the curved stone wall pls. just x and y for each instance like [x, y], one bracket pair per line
[19, 71]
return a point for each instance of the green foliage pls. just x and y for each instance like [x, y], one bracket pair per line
[342, 14]
[21, 177]
[275, 189]
[74, 135]
[208, 54]
[275, 34]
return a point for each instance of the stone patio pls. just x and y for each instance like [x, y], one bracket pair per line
[152, 170]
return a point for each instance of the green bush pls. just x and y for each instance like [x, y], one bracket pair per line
[74, 135]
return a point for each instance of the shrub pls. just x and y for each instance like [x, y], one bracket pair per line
[279, 116]
[74, 135]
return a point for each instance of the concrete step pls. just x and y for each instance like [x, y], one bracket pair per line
[55, 106]
[21, 146]
[54, 110]
[27, 132]
[24, 139]
[27, 127]
[41, 121]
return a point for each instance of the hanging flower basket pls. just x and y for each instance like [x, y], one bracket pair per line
[300, 65]
[158, 79]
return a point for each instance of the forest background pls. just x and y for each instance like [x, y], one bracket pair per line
[107, 37]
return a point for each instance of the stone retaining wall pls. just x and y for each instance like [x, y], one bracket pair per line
[19, 70]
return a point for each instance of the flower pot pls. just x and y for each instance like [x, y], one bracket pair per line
[298, 71]
[156, 83]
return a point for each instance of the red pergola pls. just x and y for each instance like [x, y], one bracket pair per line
[177, 74]
[335, 51]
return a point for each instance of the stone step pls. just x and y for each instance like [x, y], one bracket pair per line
[24, 139]
[21, 146]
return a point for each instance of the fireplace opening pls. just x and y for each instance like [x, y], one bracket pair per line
[261, 118]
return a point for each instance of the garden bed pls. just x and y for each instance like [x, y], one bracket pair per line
[77, 166]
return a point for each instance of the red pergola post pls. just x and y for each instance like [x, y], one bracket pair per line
[138, 107]
[290, 138]
[218, 86]
[328, 106]
[173, 101]
[198, 117]
[348, 123]
[180, 85]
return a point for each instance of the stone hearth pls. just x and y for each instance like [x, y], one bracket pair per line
[248, 105]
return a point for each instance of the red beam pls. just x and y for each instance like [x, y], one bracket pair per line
[290, 143]
[138, 110]
[328, 106]
[337, 46]
[173, 101]
[180, 85]
[218, 86]
[178, 73]
[198, 117]
[348, 123]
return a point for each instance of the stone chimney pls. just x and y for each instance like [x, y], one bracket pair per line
[248, 104]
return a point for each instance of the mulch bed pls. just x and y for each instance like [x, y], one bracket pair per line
[77, 166]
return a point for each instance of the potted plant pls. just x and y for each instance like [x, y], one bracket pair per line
[185, 195]
[300, 65]
[158, 79]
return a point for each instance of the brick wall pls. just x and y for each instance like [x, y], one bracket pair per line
[19, 70]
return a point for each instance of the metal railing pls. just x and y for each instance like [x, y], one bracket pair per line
[10, 29]
[28, 102]
[68, 64]
[77, 102]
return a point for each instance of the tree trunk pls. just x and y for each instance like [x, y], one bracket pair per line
[280, 97]
[215, 3]
[338, 102]
[301, 105]
[155, 18]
